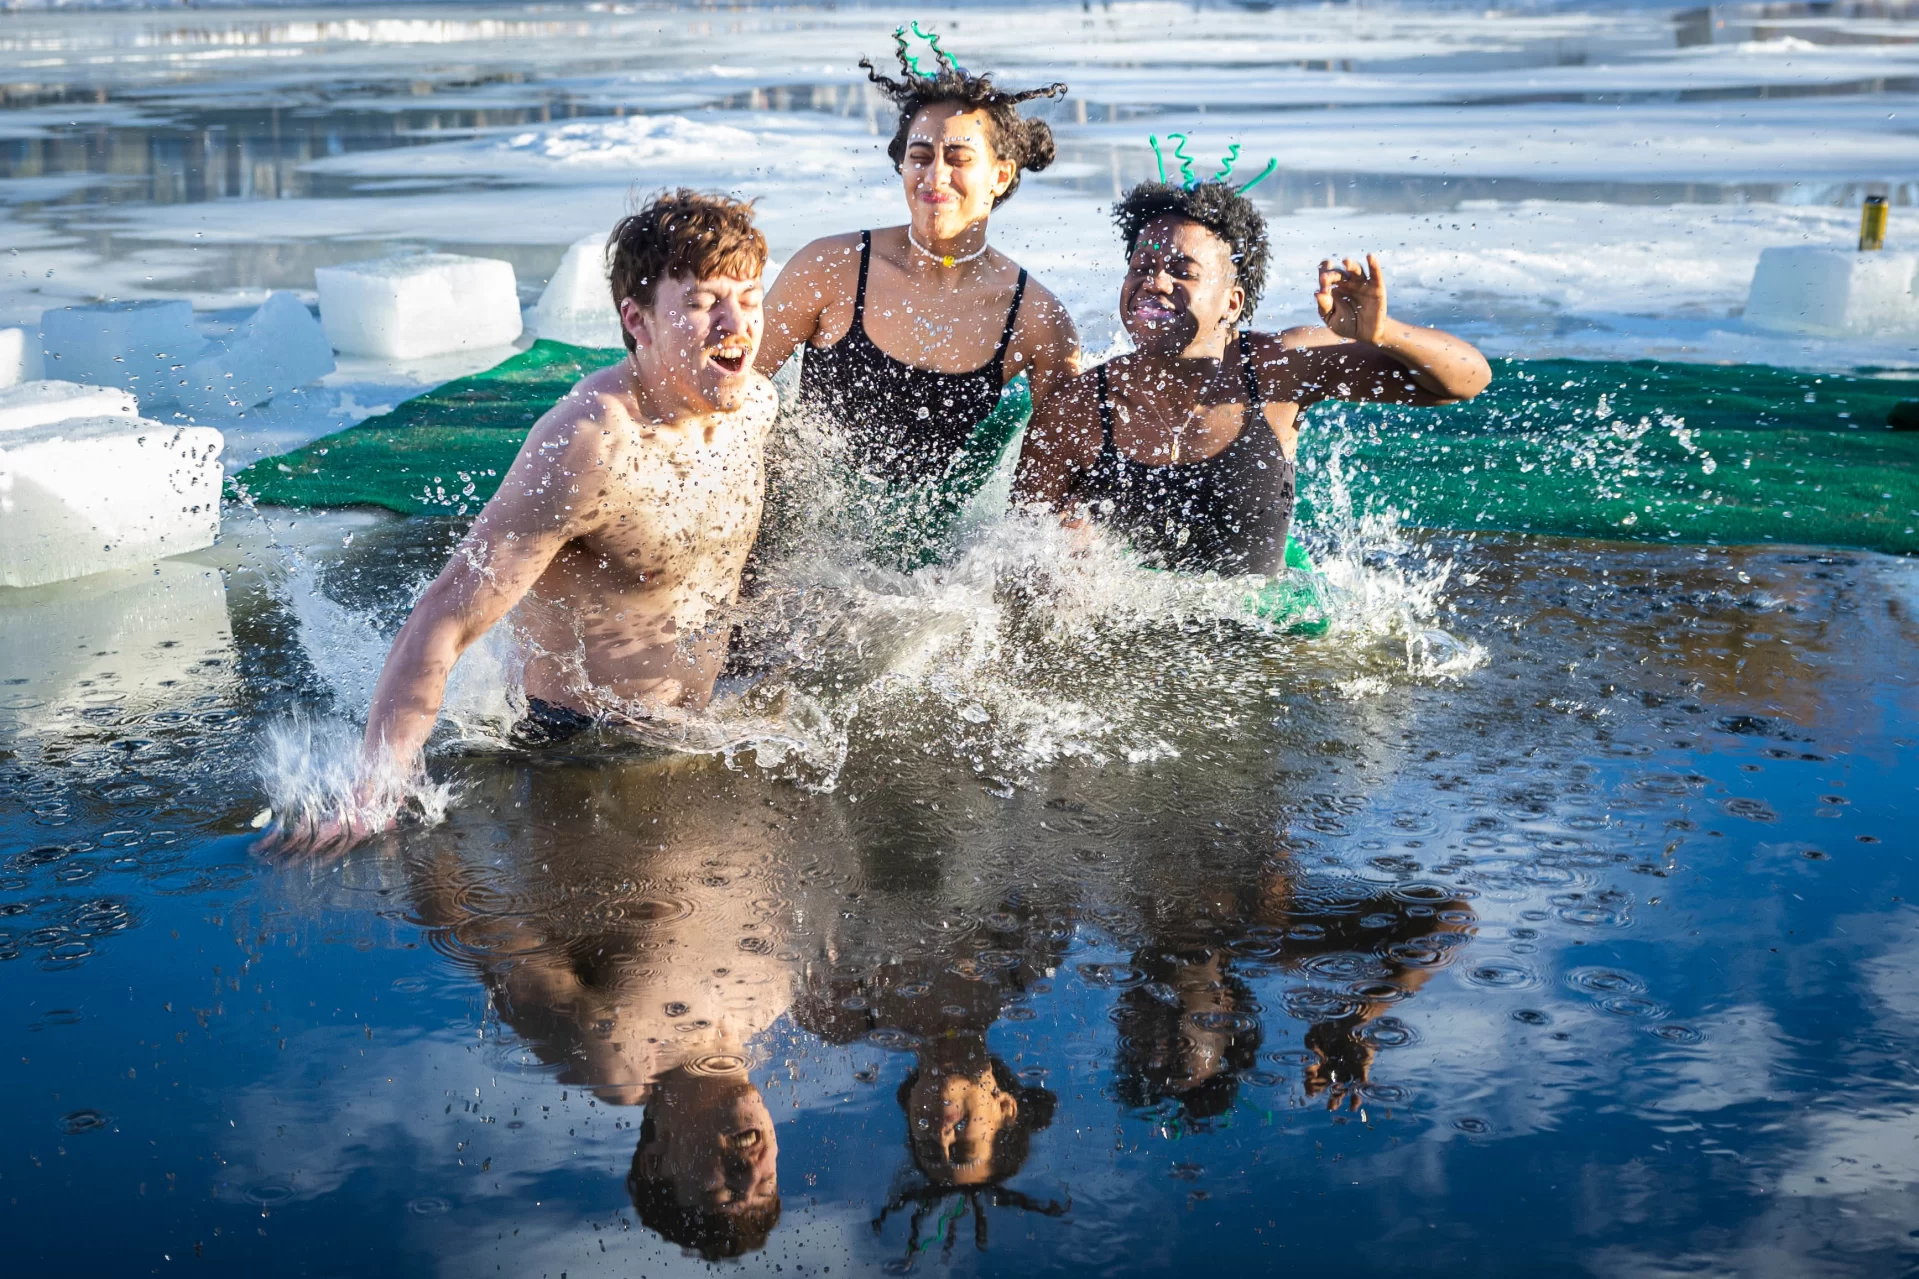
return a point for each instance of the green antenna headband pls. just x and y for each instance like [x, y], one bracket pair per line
[1186, 177]
[912, 64]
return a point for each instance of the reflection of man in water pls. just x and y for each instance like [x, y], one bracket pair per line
[706, 1175]
[643, 971]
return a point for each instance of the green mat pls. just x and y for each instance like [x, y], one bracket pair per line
[1642, 450]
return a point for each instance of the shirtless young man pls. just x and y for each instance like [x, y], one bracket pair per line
[623, 524]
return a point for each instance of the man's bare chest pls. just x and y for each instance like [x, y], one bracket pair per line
[678, 510]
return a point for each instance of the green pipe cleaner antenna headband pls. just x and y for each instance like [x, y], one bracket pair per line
[1186, 177]
[907, 60]
[932, 38]
[912, 64]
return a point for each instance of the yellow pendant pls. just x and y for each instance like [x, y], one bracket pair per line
[947, 261]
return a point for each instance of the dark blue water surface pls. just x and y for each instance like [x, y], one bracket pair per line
[1598, 958]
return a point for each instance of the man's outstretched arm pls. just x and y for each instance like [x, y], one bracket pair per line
[536, 511]
[547, 498]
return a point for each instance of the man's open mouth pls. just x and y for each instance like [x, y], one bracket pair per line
[1152, 308]
[730, 358]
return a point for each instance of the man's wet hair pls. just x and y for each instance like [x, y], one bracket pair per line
[1216, 206]
[683, 232]
[714, 1233]
[1028, 143]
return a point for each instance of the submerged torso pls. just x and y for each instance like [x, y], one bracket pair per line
[1229, 512]
[622, 619]
[903, 423]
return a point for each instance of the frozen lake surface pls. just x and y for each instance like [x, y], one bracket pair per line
[1551, 915]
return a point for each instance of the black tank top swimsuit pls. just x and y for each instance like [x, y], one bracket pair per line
[904, 424]
[1227, 514]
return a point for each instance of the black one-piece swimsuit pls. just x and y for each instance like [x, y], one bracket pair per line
[905, 424]
[1226, 514]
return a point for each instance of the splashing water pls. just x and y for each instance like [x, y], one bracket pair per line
[1025, 645]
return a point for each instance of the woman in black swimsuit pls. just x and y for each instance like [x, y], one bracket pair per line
[912, 333]
[1186, 445]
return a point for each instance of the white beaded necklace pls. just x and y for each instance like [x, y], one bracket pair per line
[944, 259]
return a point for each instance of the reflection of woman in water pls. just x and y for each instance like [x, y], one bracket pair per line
[1192, 1028]
[969, 1119]
[911, 333]
[641, 971]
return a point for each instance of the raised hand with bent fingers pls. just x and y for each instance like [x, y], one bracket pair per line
[1352, 298]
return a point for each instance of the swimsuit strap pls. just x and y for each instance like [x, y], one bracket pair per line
[1012, 318]
[1252, 376]
[1105, 412]
[859, 297]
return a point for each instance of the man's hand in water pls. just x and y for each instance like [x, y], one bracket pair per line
[1352, 299]
[324, 833]
[316, 837]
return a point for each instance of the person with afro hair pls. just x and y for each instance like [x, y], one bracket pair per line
[1185, 446]
[911, 333]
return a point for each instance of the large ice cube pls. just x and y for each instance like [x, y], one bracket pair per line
[20, 356]
[577, 305]
[91, 494]
[278, 347]
[142, 346]
[417, 305]
[1834, 291]
[38, 403]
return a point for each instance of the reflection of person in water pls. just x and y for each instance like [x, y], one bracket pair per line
[1191, 1029]
[969, 1119]
[644, 973]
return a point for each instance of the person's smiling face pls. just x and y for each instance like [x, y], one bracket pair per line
[1181, 286]
[951, 173]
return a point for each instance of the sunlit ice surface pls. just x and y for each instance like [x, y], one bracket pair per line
[1030, 913]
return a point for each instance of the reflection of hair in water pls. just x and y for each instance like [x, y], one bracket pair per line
[1164, 1053]
[1011, 1144]
[732, 1230]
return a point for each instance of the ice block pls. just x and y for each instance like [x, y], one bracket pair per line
[1834, 292]
[278, 347]
[418, 305]
[91, 494]
[20, 356]
[577, 305]
[38, 403]
[140, 346]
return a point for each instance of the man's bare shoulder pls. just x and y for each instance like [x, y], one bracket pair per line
[577, 433]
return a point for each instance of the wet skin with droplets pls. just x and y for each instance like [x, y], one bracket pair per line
[1586, 957]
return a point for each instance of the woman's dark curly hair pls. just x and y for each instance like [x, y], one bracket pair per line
[1028, 143]
[1216, 206]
